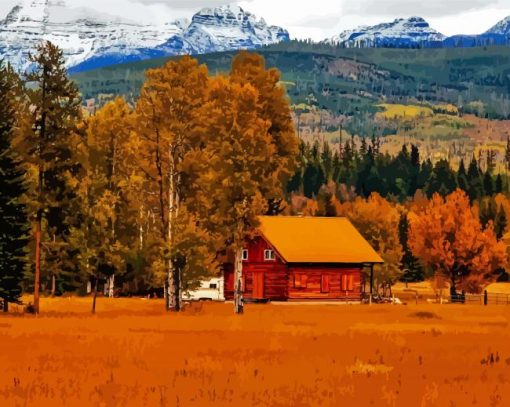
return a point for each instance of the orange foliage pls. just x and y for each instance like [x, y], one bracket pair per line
[446, 235]
[377, 220]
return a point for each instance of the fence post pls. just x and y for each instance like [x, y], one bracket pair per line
[485, 298]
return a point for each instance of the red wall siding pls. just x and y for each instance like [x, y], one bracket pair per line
[323, 282]
[275, 272]
[256, 248]
[339, 288]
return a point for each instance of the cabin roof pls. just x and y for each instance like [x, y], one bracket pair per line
[303, 239]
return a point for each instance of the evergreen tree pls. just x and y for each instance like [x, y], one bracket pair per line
[409, 263]
[499, 184]
[488, 184]
[500, 223]
[14, 225]
[425, 173]
[363, 148]
[326, 158]
[462, 177]
[47, 143]
[311, 179]
[336, 167]
[415, 171]
[475, 189]
[442, 180]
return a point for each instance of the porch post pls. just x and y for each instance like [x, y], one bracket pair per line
[371, 279]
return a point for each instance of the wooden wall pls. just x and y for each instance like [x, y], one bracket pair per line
[321, 282]
[275, 272]
[296, 281]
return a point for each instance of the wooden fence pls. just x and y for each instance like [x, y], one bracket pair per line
[482, 299]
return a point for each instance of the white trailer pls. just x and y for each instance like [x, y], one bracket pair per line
[209, 290]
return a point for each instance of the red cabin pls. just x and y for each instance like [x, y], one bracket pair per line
[303, 258]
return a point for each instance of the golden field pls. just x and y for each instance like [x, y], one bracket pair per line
[131, 353]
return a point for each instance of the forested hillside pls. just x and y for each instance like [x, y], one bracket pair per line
[352, 81]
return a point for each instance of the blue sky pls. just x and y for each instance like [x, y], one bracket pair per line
[317, 19]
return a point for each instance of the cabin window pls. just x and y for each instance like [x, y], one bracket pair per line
[325, 283]
[347, 282]
[245, 254]
[300, 280]
[215, 286]
[269, 255]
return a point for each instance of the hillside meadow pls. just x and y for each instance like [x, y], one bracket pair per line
[131, 353]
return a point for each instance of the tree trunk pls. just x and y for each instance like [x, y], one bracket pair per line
[238, 278]
[453, 288]
[96, 284]
[173, 202]
[37, 262]
[5, 305]
[165, 294]
[175, 290]
[53, 285]
[111, 284]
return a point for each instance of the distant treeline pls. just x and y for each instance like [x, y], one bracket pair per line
[365, 170]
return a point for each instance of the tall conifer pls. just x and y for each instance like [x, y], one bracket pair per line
[47, 143]
[13, 219]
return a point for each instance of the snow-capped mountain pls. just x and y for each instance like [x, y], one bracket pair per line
[99, 40]
[416, 32]
[497, 35]
[501, 28]
[401, 32]
[229, 27]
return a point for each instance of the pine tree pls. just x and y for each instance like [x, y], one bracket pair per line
[47, 144]
[414, 184]
[499, 184]
[363, 148]
[488, 184]
[14, 224]
[409, 263]
[462, 177]
[500, 223]
[442, 180]
[474, 180]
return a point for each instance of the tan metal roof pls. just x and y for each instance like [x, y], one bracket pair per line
[301, 239]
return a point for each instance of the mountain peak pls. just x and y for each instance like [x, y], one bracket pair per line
[28, 11]
[92, 39]
[230, 27]
[403, 32]
[503, 27]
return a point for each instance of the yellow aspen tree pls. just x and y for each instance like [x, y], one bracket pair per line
[168, 115]
[237, 169]
[108, 226]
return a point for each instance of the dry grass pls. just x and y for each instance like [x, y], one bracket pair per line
[133, 354]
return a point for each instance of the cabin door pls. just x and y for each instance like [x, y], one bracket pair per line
[258, 285]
